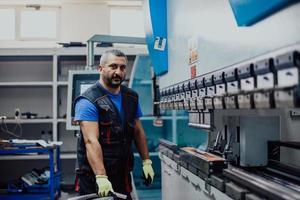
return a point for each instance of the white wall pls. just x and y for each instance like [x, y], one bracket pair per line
[79, 22]
[220, 41]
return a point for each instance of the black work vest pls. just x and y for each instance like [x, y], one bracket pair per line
[115, 137]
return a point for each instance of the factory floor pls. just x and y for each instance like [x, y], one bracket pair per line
[67, 194]
[140, 191]
[153, 194]
[149, 194]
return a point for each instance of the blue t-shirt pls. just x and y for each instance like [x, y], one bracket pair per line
[87, 111]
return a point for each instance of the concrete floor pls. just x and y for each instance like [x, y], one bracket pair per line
[150, 194]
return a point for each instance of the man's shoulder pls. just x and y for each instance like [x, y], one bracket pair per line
[93, 92]
[84, 102]
[93, 88]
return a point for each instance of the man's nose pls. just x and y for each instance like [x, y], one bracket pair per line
[119, 71]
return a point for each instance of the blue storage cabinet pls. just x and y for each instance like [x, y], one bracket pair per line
[51, 190]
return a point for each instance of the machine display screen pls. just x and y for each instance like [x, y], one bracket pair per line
[79, 81]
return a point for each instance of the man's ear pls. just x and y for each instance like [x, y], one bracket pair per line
[99, 69]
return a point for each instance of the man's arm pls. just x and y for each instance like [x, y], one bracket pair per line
[90, 131]
[140, 140]
[141, 144]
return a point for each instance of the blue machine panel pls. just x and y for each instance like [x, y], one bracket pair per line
[248, 12]
[156, 34]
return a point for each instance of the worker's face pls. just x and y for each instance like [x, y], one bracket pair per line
[114, 71]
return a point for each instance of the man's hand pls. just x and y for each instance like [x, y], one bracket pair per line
[148, 172]
[104, 185]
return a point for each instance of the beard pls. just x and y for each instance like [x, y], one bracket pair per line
[115, 81]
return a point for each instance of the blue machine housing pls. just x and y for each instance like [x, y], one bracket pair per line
[156, 34]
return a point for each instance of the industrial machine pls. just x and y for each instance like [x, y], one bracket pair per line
[233, 66]
[247, 109]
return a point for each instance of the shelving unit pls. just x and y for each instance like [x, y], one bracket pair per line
[35, 80]
[28, 121]
[27, 84]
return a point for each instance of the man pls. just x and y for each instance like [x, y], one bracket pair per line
[108, 113]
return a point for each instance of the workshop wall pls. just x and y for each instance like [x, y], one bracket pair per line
[79, 22]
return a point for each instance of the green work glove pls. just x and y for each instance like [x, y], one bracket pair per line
[148, 172]
[104, 185]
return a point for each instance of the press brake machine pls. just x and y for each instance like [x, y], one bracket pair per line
[250, 111]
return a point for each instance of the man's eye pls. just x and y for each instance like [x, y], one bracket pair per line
[113, 66]
[122, 67]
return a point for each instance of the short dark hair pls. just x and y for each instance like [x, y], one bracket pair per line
[115, 52]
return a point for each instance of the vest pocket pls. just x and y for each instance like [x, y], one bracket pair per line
[105, 131]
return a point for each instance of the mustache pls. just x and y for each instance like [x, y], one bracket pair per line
[117, 76]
